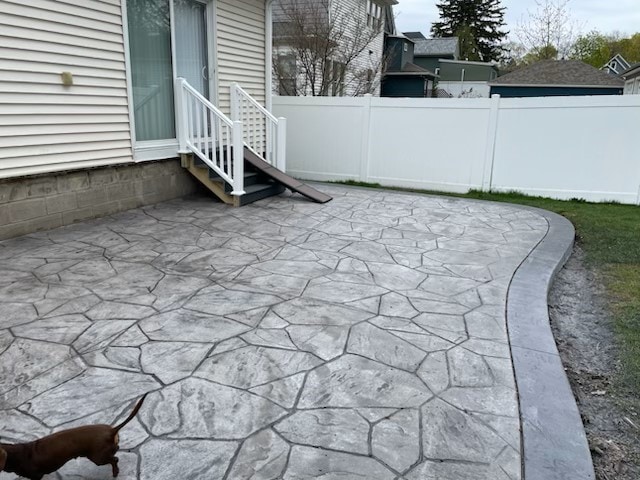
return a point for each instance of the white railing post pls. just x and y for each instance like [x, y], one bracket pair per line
[181, 115]
[238, 159]
[281, 144]
[235, 103]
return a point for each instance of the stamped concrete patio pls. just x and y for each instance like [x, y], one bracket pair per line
[364, 338]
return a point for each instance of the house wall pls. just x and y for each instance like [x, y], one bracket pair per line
[41, 202]
[509, 92]
[430, 63]
[241, 52]
[466, 89]
[396, 57]
[561, 147]
[395, 53]
[406, 86]
[370, 58]
[46, 126]
[632, 84]
[450, 71]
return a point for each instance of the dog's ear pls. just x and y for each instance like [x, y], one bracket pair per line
[3, 458]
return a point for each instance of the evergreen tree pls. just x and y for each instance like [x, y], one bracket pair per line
[477, 23]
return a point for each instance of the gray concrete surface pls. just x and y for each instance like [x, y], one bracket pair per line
[555, 445]
[363, 338]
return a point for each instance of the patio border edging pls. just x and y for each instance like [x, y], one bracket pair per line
[554, 443]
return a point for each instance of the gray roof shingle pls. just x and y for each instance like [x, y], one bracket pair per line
[436, 46]
[559, 72]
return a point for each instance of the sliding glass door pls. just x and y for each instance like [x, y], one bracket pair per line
[154, 27]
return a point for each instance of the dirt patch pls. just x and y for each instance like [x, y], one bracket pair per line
[584, 333]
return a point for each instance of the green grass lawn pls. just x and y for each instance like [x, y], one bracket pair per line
[609, 234]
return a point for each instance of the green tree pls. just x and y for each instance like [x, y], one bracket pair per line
[477, 23]
[629, 48]
[597, 49]
[546, 52]
[592, 48]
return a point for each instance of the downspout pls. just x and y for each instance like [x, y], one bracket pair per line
[268, 28]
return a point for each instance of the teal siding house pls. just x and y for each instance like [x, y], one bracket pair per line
[557, 78]
[454, 77]
[402, 77]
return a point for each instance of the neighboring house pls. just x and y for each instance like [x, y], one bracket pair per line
[463, 78]
[429, 51]
[456, 76]
[557, 78]
[341, 27]
[632, 80]
[402, 77]
[94, 83]
[616, 65]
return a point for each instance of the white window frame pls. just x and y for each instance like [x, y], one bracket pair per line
[374, 14]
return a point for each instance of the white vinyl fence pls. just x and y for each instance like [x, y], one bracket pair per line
[561, 147]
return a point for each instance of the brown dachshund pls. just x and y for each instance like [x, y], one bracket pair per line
[33, 460]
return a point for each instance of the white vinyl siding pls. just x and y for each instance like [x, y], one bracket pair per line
[351, 18]
[351, 10]
[241, 48]
[45, 126]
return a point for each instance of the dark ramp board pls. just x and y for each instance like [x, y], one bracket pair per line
[284, 179]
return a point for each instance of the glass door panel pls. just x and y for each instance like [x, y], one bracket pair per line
[151, 69]
[191, 44]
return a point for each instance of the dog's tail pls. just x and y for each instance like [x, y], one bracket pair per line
[131, 415]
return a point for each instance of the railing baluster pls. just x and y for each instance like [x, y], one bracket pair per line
[263, 133]
[212, 134]
[206, 131]
[190, 119]
[199, 122]
[220, 150]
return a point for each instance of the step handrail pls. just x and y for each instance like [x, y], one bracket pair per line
[255, 103]
[264, 134]
[209, 134]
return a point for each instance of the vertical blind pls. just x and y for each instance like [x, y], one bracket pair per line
[191, 44]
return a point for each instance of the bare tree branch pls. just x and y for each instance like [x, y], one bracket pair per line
[549, 31]
[322, 48]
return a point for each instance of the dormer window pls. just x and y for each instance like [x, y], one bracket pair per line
[374, 14]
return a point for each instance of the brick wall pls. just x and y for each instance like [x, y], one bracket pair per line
[29, 204]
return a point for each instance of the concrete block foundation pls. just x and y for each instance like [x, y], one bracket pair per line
[42, 202]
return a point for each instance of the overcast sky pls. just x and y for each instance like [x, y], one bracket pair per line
[604, 15]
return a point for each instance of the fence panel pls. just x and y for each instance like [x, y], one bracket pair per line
[561, 147]
[569, 147]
